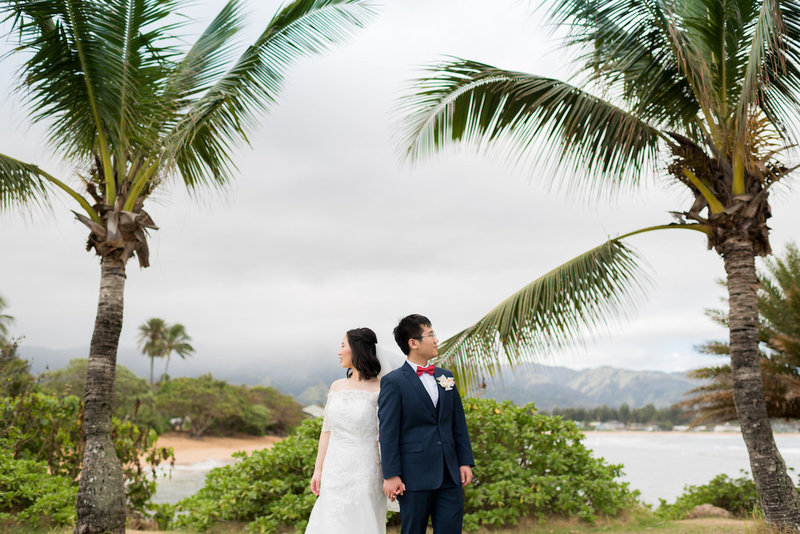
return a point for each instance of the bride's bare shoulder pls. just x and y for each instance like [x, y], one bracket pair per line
[338, 385]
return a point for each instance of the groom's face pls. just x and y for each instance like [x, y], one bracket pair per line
[427, 344]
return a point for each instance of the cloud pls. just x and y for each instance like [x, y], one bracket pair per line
[326, 228]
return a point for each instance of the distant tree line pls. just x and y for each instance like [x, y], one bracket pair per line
[202, 405]
[648, 414]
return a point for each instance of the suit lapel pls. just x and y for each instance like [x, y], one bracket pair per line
[444, 395]
[416, 385]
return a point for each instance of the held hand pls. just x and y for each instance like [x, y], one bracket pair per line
[392, 487]
[466, 475]
[315, 480]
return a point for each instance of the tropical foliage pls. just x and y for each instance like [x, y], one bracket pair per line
[665, 418]
[132, 109]
[736, 495]
[133, 398]
[47, 430]
[699, 93]
[779, 316]
[158, 339]
[203, 401]
[15, 376]
[234, 409]
[151, 340]
[530, 465]
[30, 495]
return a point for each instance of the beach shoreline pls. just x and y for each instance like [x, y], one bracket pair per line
[190, 451]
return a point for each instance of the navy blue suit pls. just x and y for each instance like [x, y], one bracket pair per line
[424, 446]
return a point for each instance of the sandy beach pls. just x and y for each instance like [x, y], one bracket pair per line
[190, 450]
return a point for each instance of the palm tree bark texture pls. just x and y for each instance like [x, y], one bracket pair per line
[769, 470]
[101, 493]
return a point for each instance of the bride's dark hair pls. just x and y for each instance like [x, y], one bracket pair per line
[362, 343]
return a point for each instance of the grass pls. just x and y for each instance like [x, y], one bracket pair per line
[636, 521]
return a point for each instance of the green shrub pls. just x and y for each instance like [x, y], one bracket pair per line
[529, 464]
[737, 495]
[526, 465]
[133, 396]
[31, 495]
[286, 411]
[268, 488]
[212, 406]
[47, 429]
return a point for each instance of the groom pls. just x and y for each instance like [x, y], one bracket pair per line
[426, 455]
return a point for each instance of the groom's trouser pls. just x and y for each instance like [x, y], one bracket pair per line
[444, 506]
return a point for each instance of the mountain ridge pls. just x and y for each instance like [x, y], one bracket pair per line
[547, 387]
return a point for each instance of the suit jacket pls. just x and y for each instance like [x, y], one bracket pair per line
[417, 440]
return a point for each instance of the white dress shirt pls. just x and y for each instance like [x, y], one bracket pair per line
[428, 382]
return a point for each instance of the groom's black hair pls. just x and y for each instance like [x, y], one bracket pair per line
[410, 327]
[362, 343]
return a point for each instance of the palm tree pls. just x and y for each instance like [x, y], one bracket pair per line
[178, 341]
[8, 346]
[779, 313]
[151, 340]
[131, 109]
[5, 321]
[703, 93]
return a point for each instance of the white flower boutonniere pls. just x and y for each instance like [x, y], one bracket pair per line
[447, 382]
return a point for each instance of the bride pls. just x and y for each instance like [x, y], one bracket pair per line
[347, 475]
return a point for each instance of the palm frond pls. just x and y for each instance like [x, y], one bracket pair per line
[5, 320]
[207, 60]
[21, 184]
[765, 42]
[529, 119]
[200, 142]
[780, 87]
[549, 314]
[133, 58]
[622, 49]
[53, 80]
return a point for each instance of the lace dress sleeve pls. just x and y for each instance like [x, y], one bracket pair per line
[326, 426]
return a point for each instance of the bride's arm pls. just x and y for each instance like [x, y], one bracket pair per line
[324, 439]
[322, 449]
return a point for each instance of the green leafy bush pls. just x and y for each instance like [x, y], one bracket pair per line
[212, 406]
[529, 464]
[47, 429]
[44, 428]
[203, 401]
[31, 495]
[268, 488]
[286, 412]
[526, 465]
[737, 495]
[133, 397]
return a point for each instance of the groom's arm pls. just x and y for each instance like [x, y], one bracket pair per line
[389, 408]
[461, 435]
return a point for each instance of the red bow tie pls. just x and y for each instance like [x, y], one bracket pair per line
[422, 370]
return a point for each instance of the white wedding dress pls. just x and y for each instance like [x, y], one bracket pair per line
[351, 498]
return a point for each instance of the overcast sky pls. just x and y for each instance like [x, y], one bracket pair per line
[326, 229]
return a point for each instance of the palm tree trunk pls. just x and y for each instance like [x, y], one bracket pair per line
[166, 367]
[778, 496]
[101, 493]
[152, 358]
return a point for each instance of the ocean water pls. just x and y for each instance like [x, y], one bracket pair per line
[183, 481]
[658, 464]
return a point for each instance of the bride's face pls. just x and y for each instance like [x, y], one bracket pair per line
[345, 354]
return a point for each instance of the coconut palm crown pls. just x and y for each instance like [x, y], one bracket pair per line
[131, 108]
[702, 93]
